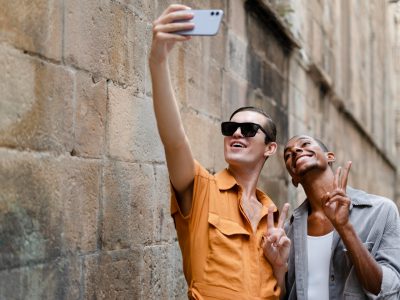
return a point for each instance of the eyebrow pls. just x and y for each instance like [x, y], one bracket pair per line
[299, 139]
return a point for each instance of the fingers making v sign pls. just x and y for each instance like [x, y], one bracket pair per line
[336, 204]
[275, 243]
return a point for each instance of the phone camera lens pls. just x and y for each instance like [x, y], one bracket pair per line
[212, 13]
[217, 13]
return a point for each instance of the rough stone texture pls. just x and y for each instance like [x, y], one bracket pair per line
[113, 275]
[55, 279]
[90, 115]
[164, 227]
[36, 102]
[129, 205]
[48, 212]
[352, 58]
[105, 38]
[80, 198]
[132, 131]
[30, 209]
[163, 267]
[34, 26]
[84, 189]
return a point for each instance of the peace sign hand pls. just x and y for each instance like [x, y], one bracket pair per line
[336, 204]
[275, 243]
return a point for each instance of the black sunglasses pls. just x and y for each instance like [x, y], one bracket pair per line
[247, 129]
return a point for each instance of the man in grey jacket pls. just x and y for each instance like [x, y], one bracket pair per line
[345, 242]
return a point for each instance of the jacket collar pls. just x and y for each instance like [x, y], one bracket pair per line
[357, 197]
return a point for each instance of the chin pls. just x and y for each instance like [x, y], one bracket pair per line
[303, 170]
[234, 160]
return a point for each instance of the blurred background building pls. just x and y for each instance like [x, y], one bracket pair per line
[84, 195]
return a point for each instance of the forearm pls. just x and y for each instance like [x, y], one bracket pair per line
[166, 109]
[369, 272]
[178, 154]
[279, 274]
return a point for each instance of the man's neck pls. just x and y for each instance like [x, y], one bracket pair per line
[315, 186]
[247, 179]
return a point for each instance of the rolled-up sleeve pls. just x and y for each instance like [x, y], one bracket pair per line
[388, 257]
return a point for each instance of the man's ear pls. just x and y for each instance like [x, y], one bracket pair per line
[330, 156]
[270, 149]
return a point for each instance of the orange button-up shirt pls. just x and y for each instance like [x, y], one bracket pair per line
[222, 255]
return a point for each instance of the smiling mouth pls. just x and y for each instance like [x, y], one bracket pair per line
[237, 145]
[299, 158]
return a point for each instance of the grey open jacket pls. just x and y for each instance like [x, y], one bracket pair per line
[376, 220]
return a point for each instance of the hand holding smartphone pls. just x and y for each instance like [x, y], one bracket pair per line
[206, 22]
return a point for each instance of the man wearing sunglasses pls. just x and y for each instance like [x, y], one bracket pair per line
[222, 221]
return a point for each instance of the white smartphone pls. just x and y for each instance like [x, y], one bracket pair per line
[206, 22]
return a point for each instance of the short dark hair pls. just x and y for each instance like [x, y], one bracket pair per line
[270, 125]
[324, 148]
[322, 145]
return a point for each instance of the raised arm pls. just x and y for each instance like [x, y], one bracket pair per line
[336, 207]
[179, 156]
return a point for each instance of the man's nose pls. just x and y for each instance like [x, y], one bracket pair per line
[296, 150]
[237, 133]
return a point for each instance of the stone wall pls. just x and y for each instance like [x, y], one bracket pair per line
[344, 84]
[84, 201]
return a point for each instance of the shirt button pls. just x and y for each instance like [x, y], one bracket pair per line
[332, 278]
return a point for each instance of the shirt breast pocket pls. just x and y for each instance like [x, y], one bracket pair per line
[225, 260]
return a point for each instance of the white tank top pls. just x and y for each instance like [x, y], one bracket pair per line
[319, 255]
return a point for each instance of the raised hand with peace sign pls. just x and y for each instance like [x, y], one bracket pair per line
[336, 204]
[275, 243]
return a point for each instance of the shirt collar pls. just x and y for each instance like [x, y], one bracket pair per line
[225, 180]
[357, 197]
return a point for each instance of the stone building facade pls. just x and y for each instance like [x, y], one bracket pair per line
[84, 206]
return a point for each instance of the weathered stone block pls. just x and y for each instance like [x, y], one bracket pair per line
[48, 207]
[298, 104]
[234, 94]
[163, 277]
[35, 26]
[57, 279]
[113, 275]
[106, 39]
[146, 10]
[316, 42]
[132, 131]
[30, 209]
[81, 197]
[274, 84]
[205, 138]
[164, 227]
[33, 113]
[276, 189]
[268, 48]
[90, 115]
[236, 19]
[237, 56]
[204, 80]
[128, 204]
